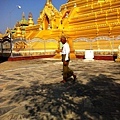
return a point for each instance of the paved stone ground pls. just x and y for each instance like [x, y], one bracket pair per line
[31, 90]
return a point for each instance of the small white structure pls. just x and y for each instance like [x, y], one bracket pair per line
[89, 55]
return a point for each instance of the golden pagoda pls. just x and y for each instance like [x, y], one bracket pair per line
[19, 29]
[87, 24]
[92, 24]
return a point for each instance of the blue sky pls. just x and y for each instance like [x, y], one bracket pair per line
[10, 14]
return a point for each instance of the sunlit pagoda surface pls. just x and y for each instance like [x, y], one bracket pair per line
[87, 24]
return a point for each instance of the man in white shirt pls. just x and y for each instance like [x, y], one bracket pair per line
[67, 72]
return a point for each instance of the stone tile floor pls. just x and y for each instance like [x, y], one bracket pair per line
[31, 90]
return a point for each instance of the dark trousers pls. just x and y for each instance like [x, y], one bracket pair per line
[67, 72]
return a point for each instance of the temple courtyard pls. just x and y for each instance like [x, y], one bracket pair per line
[31, 90]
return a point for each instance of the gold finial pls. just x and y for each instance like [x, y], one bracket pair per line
[30, 15]
[49, 1]
[23, 15]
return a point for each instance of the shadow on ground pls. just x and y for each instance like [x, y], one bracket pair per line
[3, 59]
[99, 99]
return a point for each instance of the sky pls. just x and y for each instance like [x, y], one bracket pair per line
[10, 14]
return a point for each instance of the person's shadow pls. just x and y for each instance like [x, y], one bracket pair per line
[99, 99]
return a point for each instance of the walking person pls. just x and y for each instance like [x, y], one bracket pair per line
[67, 72]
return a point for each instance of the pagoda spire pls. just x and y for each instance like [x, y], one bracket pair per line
[23, 15]
[48, 1]
[30, 15]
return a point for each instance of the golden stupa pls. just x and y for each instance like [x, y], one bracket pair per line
[87, 24]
